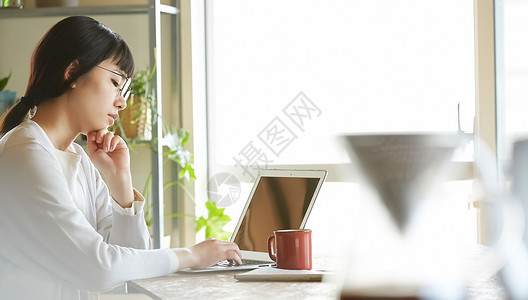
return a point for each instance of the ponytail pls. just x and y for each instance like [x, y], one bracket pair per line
[16, 114]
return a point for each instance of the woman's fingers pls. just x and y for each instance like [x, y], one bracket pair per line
[99, 135]
[105, 140]
[115, 141]
[236, 257]
[233, 252]
[229, 251]
[211, 251]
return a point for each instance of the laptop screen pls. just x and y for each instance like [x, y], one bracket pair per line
[277, 203]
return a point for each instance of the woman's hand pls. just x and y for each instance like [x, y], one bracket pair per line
[110, 155]
[108, 152]
[208, 253]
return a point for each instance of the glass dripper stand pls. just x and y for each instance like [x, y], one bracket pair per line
[401, 169]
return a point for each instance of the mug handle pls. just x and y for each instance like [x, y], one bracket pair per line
[271, 248]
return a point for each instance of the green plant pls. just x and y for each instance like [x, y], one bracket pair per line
[139, 86]
[139, 105]
[174, 141]
[4, 81]
[216, 219]
[139, 82]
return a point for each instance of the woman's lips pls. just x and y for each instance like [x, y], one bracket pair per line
[113, 117]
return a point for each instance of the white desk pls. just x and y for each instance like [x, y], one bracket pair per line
[225, 286]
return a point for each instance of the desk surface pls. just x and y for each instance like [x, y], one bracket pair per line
[225, 286]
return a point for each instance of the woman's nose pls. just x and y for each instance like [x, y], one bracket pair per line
[120, 102]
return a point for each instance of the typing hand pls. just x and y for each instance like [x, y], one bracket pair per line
[228, 263]
[208, 253]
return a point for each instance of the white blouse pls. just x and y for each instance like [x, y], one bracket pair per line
[60, 236]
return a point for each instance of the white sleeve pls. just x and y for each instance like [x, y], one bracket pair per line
[137, 205]
[43, 232]
[127, 230]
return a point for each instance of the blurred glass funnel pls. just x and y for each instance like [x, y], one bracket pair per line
[402, 167]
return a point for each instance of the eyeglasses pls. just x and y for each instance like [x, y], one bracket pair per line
[124, 91]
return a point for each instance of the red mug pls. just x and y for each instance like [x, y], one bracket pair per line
[291, 249]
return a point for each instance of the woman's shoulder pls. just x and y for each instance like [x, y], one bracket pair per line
[25, 134]
[25, 149]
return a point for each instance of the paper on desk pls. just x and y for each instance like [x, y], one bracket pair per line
[275, 274]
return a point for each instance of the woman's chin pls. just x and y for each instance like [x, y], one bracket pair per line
[86, 132]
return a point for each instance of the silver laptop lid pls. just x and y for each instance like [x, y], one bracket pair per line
[279, 199]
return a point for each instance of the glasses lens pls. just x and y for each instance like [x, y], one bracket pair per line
[127, 94]
[125, 91]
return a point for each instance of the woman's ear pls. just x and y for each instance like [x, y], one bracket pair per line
[70, 71]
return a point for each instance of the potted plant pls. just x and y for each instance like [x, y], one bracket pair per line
[7, 98]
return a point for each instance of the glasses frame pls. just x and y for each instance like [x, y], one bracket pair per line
[125, 90]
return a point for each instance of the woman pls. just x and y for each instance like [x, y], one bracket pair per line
[65, 233]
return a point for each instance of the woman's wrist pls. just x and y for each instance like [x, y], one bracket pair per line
[186, 258]
[121, 189]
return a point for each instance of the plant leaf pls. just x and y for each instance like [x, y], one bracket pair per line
[3, 82]
[200, 223]
[214, 223]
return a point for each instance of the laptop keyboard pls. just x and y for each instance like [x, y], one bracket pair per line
[232, 263]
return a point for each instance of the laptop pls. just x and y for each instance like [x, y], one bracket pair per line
[279, 199]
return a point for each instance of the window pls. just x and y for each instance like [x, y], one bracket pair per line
[287, 78]
[512, 75]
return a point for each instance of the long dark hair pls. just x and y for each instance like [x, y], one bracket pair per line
[76, 38]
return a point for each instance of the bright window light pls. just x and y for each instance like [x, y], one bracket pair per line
[287, 78]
